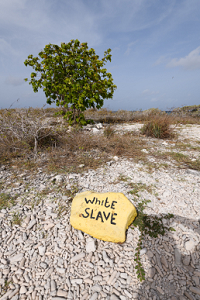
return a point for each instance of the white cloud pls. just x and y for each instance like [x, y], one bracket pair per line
[39, 20]
[11, 80]
[116, 49]
[154, 99]
[189, 62]
[134, 15]
[128, 50]
[23, 14]
[6, 48]
[160, 60]
[148, 92]
[145, 92]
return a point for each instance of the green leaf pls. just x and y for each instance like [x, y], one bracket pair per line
[73, 71]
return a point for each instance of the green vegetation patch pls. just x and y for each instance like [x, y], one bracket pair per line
[137, 187]
[6, 200]
[148, 225]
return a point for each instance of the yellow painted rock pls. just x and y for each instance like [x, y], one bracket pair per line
[105, 216]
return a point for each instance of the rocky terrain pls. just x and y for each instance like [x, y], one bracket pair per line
[43, 257]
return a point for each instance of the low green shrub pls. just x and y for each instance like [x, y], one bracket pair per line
[151, 225]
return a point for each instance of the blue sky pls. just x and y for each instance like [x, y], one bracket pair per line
[155, 47]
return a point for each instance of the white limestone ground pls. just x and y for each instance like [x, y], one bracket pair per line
[45, 258]
[184, 131]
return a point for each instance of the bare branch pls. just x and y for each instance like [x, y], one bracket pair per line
[19, 126]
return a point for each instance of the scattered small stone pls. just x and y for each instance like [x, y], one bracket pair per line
[151, 272]
[16, 258]
[94, 296]
[90, 245]
[114, 297]
[42, 250]
[177, 256]
[45, 258]
[59, 298]
[143, 251]
[195, 290]
[124, 275]
[116, 158]
[76, 281]
[129, 295]
[61, 293]
[197, 273]
[16, 297]
[160, 290]
[186, 260]
[31, 224]
[189, 296]
[49, 226]
[81, 165]
[23, 290]
[53, 285]
[77, 257]
[189, 245]
[96, 288]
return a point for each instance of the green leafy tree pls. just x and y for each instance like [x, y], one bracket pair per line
[70, 76]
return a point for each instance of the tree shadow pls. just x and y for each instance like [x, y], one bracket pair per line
[174, 272]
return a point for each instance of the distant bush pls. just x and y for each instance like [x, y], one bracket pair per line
[108, 131]
[153, 112]
[158, 127]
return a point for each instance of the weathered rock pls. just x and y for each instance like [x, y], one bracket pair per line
[195, 290]
[96, 288]
[95, 130]
[23, 290]
[42, 250]
[151, 272]
[177, 256]
[186, 260]
[61, 293]
[94, 296]
[197, 273]
[196, 280]
[31, 224]
[164, 261]
[90, 245]
[77, 257]
[48, 226]
[114, 297]
[143, 251]
[190, 297]
[189, 245]
[58, 178]
[58, 298]
[16, 258]
[105, 216]
[76, 281]
[16, 297]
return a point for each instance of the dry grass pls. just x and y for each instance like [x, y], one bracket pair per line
[159, 127]
[59, 150]
[120, 116]
[84, 151]
[66, 151]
